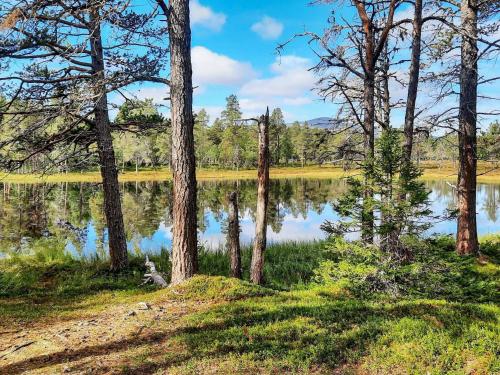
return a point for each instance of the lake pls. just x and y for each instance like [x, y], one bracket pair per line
[70, 215]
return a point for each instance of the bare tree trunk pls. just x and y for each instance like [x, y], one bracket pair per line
[386, 241]
[257, 267]
[234, 235]
[184, 243]
[386, 95]
[367, 222]
[467, 241]
[372, 50]
[412, 87]
[112, 201]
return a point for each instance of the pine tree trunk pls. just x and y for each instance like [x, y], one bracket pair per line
[367, 220]
[410, 112]
[112, 201]
[233, 232]
[467, 241]
[184, 242]
[412, 87]
[257, 266]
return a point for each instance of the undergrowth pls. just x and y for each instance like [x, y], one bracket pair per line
[328, 307]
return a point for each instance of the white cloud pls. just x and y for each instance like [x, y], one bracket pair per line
[158, 94]
[289, 86]
[268, 28]
[212, 68]
[292, 79]
[254, 107]
[284, 64]
[301, 100]
[206, 17]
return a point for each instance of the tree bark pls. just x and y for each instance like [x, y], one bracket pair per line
[467, 241]
[112, 201]
[233, 232]
[257, 266]
[412, 88]
[367, 220]
[372, 52]
[184, 242]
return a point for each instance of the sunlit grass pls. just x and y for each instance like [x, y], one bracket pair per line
[488, 173]
[311, 317]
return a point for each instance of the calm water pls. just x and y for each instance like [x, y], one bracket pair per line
[70, 216]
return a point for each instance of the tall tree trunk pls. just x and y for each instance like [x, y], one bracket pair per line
[234, 235]
[367, 220]
[372, 52]
[467, 242]
[184, 243]
[112, 201]
[257, 267]
[412, 89]
[387, 240]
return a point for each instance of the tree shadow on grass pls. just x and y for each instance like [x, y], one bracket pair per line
[302, 334]
[295, 333]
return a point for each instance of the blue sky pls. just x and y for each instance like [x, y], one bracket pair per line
[234, 52]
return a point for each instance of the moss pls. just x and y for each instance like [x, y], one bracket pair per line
[201, 287]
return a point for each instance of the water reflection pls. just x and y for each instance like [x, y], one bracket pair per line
[73, 213]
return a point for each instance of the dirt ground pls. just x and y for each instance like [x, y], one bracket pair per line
[107, 342]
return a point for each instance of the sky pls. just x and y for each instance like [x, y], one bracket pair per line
[234, 52]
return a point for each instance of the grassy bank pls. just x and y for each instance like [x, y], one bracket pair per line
[488, 173]
[327, 308]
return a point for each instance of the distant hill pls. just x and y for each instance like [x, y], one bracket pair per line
[320, 122]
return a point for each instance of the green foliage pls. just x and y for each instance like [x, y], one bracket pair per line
[148, 144]
[489, 142]
[398, 197]
[436, 271]
[361, 269]
[288, 264]
[140, 112]
[62, 276]
[52, 271]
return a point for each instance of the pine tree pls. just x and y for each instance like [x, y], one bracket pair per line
[396, 218]
[277, 129]
[232, 144]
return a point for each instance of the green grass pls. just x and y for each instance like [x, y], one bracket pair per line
[327, 307]
[50, 271]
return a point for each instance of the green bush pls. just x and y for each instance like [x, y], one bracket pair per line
[436, 271]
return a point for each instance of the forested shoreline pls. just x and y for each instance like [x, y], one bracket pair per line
[225, 144]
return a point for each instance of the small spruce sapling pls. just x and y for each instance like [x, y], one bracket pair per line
[395, 217]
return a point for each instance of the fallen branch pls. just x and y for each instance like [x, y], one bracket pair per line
[153, 275]
[17, 347]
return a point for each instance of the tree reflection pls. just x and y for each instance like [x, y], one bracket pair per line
[31, 212]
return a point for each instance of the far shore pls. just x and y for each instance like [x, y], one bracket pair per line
[487, 173]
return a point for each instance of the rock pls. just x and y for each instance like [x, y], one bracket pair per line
[131, 313]
[143, 306]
